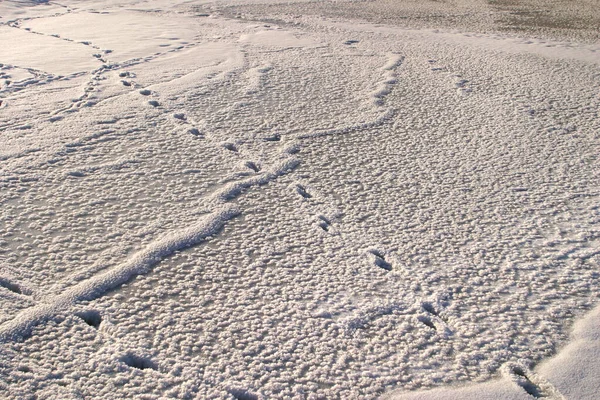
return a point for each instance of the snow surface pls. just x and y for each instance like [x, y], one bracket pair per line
[197, 202]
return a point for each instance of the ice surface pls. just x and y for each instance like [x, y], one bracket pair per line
[198, 200]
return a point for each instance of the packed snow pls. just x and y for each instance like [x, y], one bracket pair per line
[246, 199]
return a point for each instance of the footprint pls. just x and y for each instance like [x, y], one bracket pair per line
[461, 83]
[145, 92]
[434, 320]
[301, 190]
[138, 362]
[229, 146]
[179, 116]
[125, 83]
[429, 308]
[252, 165]
[25, 369]
[531, 383]
[13, 287]
[154, 103]
[274, 138]
[427, 321]
[242, 394]
[351, 41]
[324, 223]
[91, 317]
[378, 258]
[195, 132]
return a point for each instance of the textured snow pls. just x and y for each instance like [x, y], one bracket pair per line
[241, 200]
[572, 374]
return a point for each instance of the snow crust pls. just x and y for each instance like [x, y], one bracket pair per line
[201, 201]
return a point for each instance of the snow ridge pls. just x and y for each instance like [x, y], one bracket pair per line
[234, 189]
[140, 263]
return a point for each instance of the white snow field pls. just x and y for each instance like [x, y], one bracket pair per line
[246, 199]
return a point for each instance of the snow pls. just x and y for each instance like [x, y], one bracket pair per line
[574, 371]
[250, 199]
[44, 53]
[273, 38]
[571, 374]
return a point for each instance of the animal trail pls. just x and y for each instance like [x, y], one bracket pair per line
[139, 263]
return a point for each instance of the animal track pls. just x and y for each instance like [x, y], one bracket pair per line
[324, 223]
[138, 362]
[194, 131]
[378, 258]
[461, 85]
[301, 190]
[433, 320]
[429, 308]
[427, 321]
[242, 394]
[229, 146]
[253, 166]
[273, 138]
[24, 368]
[531, 383]
[13, 287]
[91, 317]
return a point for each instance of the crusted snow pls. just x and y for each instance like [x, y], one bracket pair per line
[199, 202]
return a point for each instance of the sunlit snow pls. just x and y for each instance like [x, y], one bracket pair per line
[258, 200]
